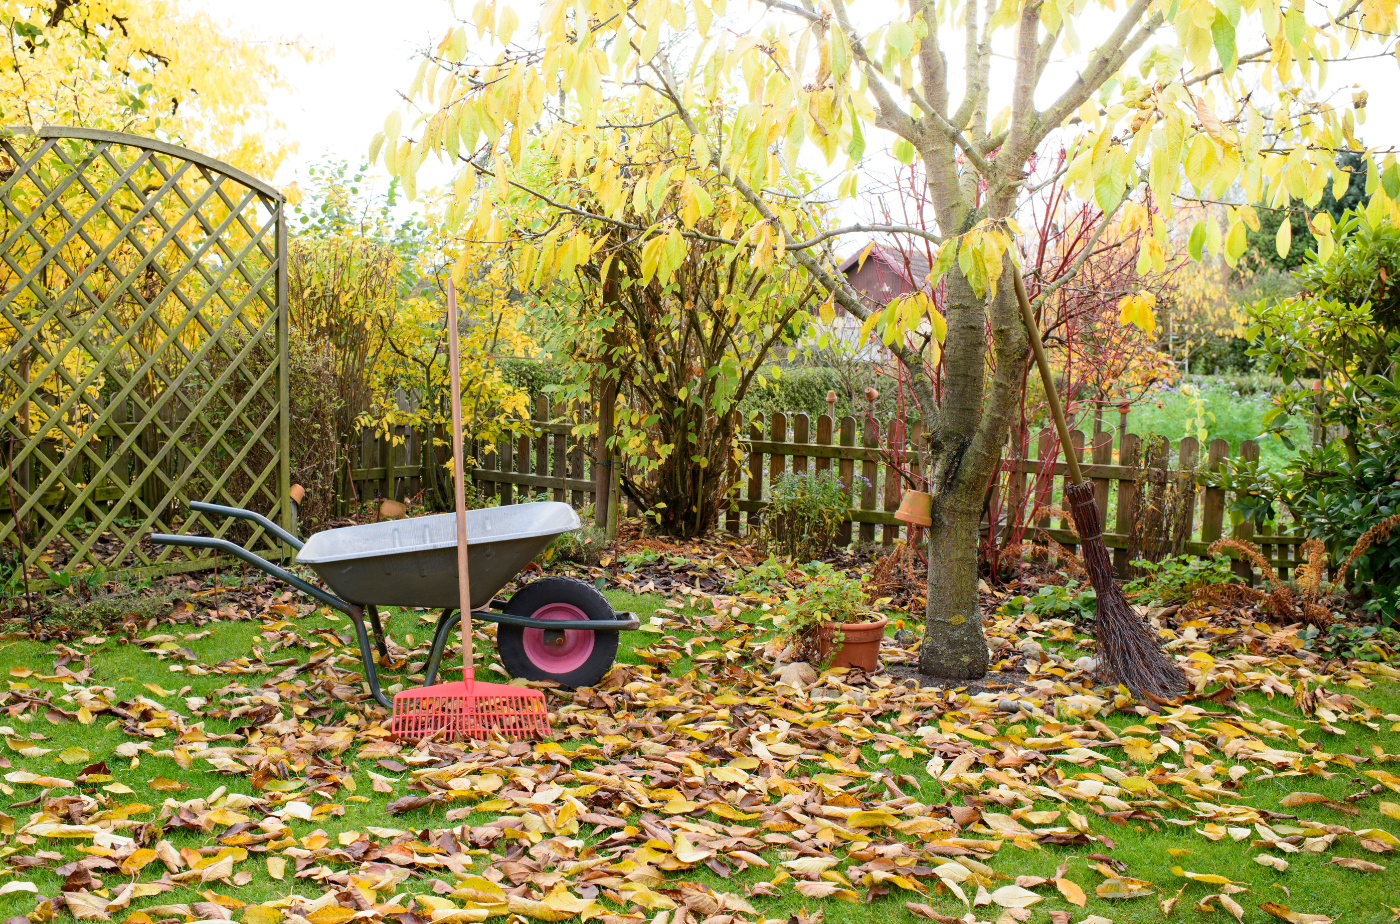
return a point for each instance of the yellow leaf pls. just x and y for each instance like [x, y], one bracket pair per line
[688, 853]
[331, 914]
[261, 914]
[1071, 891]
[1209, 878]
[872, 819]
[277, 867]
[75, 756]
[137, 861]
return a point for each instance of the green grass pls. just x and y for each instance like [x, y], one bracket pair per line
[1232, 413]
[679, 657]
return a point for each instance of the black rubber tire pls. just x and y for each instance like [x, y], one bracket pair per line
[510, 640]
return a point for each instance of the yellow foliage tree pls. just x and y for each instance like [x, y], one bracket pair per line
[153, 67]
[409, 382]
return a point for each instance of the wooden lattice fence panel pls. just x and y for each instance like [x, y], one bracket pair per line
[143, 321]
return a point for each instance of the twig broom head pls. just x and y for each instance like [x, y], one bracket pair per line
[1128, 648]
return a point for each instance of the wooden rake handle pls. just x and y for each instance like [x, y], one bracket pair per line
[459, 490]
[1038, 348]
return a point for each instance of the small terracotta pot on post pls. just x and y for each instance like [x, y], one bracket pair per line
[915, 508]
[859, 646]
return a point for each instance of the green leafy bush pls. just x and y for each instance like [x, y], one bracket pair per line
[1055, 601]
[804, 514]
[1173, 580]
[1337, 500]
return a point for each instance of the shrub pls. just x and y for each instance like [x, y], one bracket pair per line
[1173, 580]
[804, 514]
[582, 546]
[1338, 501]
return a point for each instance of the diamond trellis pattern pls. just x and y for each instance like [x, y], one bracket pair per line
[143, 322]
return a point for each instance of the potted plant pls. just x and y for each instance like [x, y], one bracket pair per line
[828, 620]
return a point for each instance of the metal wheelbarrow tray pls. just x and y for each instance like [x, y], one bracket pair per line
[553, 628]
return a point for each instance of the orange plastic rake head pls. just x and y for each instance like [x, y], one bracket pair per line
[466, 709]
[470, 710]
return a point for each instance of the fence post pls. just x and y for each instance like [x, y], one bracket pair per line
[892, 492]
[800, 434]
[847, 468]
[1129, 455]
[577, 497]
[1244, 531]
[870, 439]
[1102, 454]
[1076, 439]
[561, 450]
[1187, 454]
[754, 520]
[824, 423]
[777, 433]
[1213, 501]
[731, 513]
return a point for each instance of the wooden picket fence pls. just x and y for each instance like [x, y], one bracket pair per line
[550, 461]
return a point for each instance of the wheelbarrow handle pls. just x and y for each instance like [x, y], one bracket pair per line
[257, 561]
[257, 518]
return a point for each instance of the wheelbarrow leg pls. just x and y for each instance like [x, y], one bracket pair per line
[445, 624]
[367, 659]
[378, 628]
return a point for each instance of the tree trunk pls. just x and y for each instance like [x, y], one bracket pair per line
[968, 434]
[953, 646]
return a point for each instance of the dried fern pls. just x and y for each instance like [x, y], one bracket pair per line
[1065, 519]
[1249, 551]
[1378, 533]
[1309, 577]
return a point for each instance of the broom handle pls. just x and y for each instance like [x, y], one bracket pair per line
[459, 490]
[1038, 348]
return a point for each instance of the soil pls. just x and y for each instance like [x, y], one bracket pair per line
[993, 682]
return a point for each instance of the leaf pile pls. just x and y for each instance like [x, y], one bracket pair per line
[690, 787]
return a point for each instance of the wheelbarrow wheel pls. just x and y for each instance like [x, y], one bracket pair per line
[569, 657]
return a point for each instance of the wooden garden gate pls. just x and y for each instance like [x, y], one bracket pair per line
[143, 322]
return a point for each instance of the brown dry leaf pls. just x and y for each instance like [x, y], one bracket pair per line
[1168, 905]
[1284, 913]
[1361, 866]
[920, 910]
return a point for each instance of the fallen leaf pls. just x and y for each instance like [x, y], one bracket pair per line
[1284, 913]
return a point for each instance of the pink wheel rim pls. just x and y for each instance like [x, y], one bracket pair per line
[559, 659]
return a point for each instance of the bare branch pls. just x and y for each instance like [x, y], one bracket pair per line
[1122, 44]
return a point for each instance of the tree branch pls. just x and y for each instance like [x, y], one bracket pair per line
[1122, 44]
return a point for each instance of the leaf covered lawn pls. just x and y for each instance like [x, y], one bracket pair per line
[237, 771]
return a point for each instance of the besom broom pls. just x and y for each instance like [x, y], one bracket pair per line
[1127, 647]
[466, 709]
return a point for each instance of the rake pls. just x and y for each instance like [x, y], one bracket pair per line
[466, 709]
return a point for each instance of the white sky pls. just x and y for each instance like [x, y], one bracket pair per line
[368, 57]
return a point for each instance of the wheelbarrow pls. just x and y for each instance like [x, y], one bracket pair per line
[554, 628]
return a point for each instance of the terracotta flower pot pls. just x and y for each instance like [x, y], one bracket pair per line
[859, 646]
